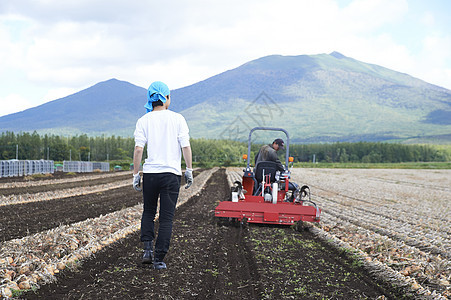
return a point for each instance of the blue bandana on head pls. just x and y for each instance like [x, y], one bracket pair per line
[156, 91]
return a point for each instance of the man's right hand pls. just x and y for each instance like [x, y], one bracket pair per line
[137, 182]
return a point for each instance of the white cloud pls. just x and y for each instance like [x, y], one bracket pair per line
[54, 94]
[13, 103]
[12, 49]
[382, 50]
[434, 62]
[428, 19]
[70, 45]
[367, 15]
[438, 46]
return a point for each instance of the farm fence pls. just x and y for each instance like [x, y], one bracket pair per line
[85, 166]
[12, 168]
[77, 166]
[102, 166]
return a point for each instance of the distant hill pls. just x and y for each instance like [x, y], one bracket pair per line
[109, 107]
[317, 98]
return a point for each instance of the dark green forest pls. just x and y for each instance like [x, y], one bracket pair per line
[368, 152]
[58, 148]
[207, 152]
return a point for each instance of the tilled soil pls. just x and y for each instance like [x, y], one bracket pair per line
[208, 260]
[19, 220]
[55, 175]
[60, 186]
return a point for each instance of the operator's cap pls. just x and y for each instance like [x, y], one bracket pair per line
[279, 142]
[156, 91]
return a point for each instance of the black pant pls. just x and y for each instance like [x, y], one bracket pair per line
[167, 186]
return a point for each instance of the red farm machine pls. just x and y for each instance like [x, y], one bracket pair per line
[267, 196]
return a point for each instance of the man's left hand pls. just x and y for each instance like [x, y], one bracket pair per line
[188, 177]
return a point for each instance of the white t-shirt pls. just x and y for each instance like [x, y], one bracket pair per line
[165, 132]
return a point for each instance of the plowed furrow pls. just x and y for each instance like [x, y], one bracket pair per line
[60, 186]
[19, 220]
[395, 229]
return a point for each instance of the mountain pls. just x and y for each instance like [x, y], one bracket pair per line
[110, 107]
[317, 98]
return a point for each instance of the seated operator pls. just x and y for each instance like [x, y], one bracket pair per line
[269, 153]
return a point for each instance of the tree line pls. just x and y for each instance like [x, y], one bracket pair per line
[368, 152]
[207, 152]
[33, 146]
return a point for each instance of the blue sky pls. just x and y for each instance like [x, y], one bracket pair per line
[51, 49]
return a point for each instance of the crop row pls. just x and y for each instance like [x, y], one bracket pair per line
[399, 218]
[28, 183]
[58, 194]
[35, 259]
[398, 221]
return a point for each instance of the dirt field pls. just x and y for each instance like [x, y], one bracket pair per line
[207, 259]
[398, 218]
[65, 182]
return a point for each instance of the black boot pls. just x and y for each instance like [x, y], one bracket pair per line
[159, 265]
[148, 253]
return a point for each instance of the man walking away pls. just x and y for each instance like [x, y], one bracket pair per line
[166, 133]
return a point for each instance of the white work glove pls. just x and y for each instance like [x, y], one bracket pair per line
[137, 182]
[188, 177]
